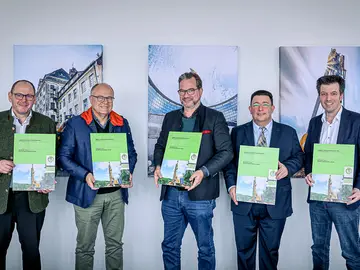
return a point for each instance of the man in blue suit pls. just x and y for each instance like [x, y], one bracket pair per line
[91, 204]
[267, 221]
[336, 126]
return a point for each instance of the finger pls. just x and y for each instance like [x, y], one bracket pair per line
[282, 175]
[156, 180]
[352, 201]
[353, 196]
[233, 197]
[308, 182]
[194, 185]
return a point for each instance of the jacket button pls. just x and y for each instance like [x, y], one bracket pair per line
[6, 190]
[11, 157]
[13, 128]
[9, 173]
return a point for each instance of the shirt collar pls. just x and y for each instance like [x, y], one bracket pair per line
[337, 116]
[27, 120]
[267, 127]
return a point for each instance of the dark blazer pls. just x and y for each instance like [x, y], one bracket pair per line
[349, 133]
[215, 148]
[283, 137]
[38, 124]
[74, 155]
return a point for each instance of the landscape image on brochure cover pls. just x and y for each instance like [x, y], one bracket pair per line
[112, 173]
[28, 177]
[254, 189]
[331, 188]
[178, 172]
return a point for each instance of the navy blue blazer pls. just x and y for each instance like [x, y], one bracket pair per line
[283, 137]
[349, 133]
[74, 155]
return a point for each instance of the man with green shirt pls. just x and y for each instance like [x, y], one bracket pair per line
[26, 209]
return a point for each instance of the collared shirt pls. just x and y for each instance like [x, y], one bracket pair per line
[267, 132]
[20, 128]
[98, 121]
[257, 133]
[329, 132]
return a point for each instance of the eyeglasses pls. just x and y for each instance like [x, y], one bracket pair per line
[264, 105]
[190, 91]
[102, 99]
[20, 96]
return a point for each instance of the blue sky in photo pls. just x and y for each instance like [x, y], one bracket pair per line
[216, 65]
[32, 62]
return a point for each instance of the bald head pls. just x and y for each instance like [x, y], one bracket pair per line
[22, 84]
[101, 87]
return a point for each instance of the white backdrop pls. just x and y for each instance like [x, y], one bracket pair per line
[125, 28]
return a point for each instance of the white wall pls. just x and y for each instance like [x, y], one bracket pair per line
[125, 28]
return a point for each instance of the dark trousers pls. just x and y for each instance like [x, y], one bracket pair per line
[247, 228]
[28, 226]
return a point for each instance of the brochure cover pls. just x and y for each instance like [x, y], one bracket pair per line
[256, 182]
[110, 159]
[333, 172]
[34, 159]
[180, 157]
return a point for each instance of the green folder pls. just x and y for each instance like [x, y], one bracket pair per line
[256, 181]
[34, 159]
[180, 158]
[333, 172]
[110, 159]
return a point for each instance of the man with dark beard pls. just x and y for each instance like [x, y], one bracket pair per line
[194, 204]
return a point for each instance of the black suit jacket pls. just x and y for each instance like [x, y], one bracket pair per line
[349, 133]
[290, 154]
[215, 148]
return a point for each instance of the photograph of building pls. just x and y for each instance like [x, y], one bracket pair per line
[300, 67]
[216, 65]
[62, 75]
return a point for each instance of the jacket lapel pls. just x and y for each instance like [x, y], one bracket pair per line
[344, 127]
[250, 133]
[317, 131]
[275, 135]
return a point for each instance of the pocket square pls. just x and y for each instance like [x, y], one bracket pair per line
[206, 131]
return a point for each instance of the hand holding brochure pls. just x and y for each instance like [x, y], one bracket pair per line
[110, 159]
[256, 181]
[333, 172]
[34, 159]
[180, 158]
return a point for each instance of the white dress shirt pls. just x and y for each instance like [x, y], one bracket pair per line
[329, 132]
[20, 128]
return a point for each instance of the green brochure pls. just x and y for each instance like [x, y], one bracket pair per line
[110, 159]
[34, 159]
[333, 172]
[256, 181]
[180, 157]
